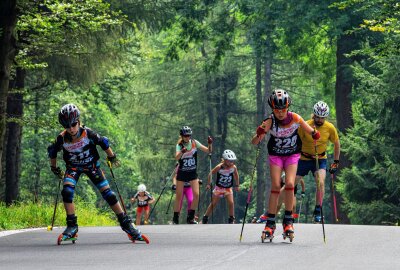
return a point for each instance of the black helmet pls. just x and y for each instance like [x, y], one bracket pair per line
[68, 115]
[279, 99]
[185, 130]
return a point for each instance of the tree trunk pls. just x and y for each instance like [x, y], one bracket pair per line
[14, 127]
[8, 20]
[36, 149]
[260, 186]
[267, 93]
[344, 114]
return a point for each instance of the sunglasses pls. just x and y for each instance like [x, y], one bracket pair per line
[72, 125]
[280, 110]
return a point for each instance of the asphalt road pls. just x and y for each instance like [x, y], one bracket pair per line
[206, 247]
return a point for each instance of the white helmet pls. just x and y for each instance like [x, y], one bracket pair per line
[321, 109]
[228, 155]
[141, 188]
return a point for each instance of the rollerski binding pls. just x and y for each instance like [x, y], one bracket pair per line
[288, 230]
[190, 218]
[71, 232]
[268, 232]
[133, 233]
[231, 220]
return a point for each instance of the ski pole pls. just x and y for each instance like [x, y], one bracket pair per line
[116, 186]
[250, 190]
[162, 191]
[298, 218]
[334, 197]
[50, 228]
[319, 188]
[169, 204]
[209, 157]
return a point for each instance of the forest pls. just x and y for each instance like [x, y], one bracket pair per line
[140, 70]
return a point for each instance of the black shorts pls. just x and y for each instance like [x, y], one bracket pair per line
[186, 176]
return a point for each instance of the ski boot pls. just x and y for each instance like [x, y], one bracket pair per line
[231, 220]
[288, 230]
[317, 214]
[205, 220]
[263, 218]
[175, 219]
[268, 232]
[190, 217]
[133, 233]
[71, 232]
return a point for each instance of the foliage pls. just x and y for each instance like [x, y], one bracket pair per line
[32, 215]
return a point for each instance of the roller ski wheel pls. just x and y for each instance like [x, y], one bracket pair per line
[63, 238]
[265, 236]
[289, 235]
[143, 238]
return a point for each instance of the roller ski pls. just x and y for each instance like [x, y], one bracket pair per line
[288, 230]
[268, 232]
[133, 233]
[231, 220]
[70, 233]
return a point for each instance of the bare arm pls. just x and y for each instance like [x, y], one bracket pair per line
[109, 152]
[307, 128]
[336, 150]
[53, 162]
[303, 186]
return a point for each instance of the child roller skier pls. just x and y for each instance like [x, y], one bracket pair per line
[284, 152]
[144, 199]
[227, 173]
[81, 157]
[186, 155]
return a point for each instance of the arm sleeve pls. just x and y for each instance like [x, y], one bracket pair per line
[55, 147]
[333, 135]
[97, 139]
[178, 148]
[198, 144]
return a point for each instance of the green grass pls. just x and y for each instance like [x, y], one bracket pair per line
[30, 215]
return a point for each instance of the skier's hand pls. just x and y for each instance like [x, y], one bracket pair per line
[184, 150]
[200, 182]
[315, 134]
[236, 188]
[210, 140]
[57, 172]
[114, 161]
[173, 187]
[334, 167]
[208, 187]
[303, 194]
[260, 131]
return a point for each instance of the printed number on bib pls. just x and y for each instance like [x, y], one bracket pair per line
[287, 142]
[225, 180]
[189, 162]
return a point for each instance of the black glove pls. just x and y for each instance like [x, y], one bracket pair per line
[114, 161]
[173, 187]
[57, 172]
[184, 150]
[334, 167]
[303, 194]
[200, 182]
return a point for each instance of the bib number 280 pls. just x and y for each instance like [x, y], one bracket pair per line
[190, 162]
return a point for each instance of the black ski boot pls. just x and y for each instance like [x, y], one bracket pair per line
[317, 214]
[190, 217]
[231, 220]
[72, 226]
[175, 219]
[126, 224]
[205, 220]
